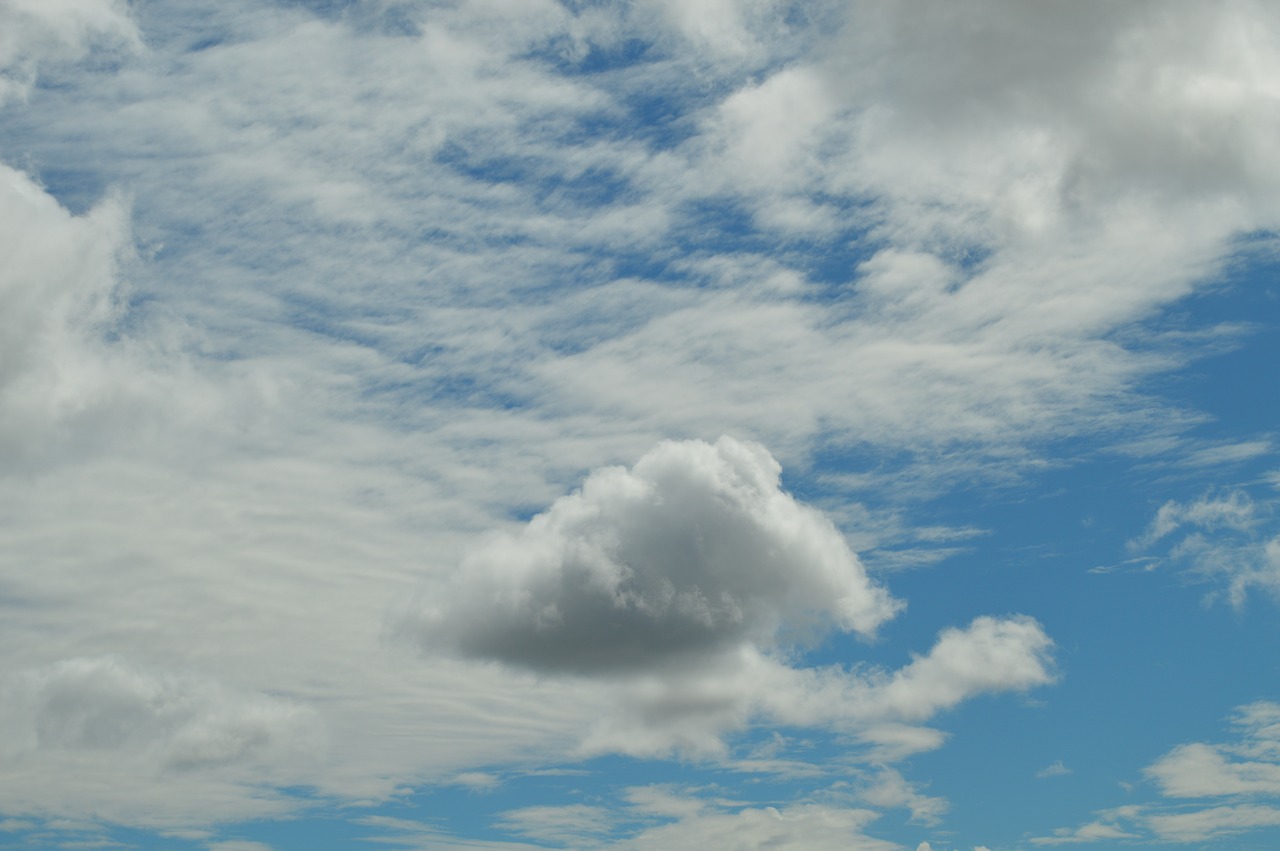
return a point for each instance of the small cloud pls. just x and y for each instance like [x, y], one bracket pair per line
[694, 553]
[1055, 770]
[477, 780]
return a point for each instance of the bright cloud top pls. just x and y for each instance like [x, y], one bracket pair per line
[691, 554]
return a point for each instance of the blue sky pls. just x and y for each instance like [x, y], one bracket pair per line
[520, 424]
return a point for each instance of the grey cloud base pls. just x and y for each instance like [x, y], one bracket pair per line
[690, 555]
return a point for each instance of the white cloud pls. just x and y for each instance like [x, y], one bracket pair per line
[36, 31]
[1241, 772]
[800, 827]
[1095, 831]
[1234, 510]
[1222, 537]
[1250, 766]
[669, 819]
[570, 824]
[58, 297]
[74, 730]
[1057, 769]
[691, 710]
[1213, 823]
[693, 554]
[888, 788]
[683, 585]
[356, 229]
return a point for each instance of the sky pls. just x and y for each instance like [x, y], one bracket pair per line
[667, 424]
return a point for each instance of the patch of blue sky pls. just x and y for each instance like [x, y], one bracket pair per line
[1223, 383]
[77, 187]
[597, 59]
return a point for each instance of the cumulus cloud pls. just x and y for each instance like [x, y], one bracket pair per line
[693, 554]
[688, 586]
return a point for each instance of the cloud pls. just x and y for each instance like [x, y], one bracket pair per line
[655, 817]
[1241, 772]
[571, 824]
[1213, 823]
[58, 298]
[693, 554]
[1102, 830]
[691, 710]
[36, 31]
[1250, 766]
[369, 215]
[888, 788]
[799, 827]
[1234, 510]
[684, 587]
[1223, 537]
[70, 726]
[1055, 770]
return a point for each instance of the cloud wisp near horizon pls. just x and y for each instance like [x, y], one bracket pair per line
[544, 423]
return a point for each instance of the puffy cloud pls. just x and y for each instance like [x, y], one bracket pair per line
[1240, 771]
[1089, 102]
[692, 555]
[888, 788]
[690, 710]
[139, 746]
[1250, 766]
[687, 588]
[991, 654]
[100, 705]
[58, 296]
[34, 31]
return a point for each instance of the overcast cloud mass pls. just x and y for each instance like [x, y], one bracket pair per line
[522, 424]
